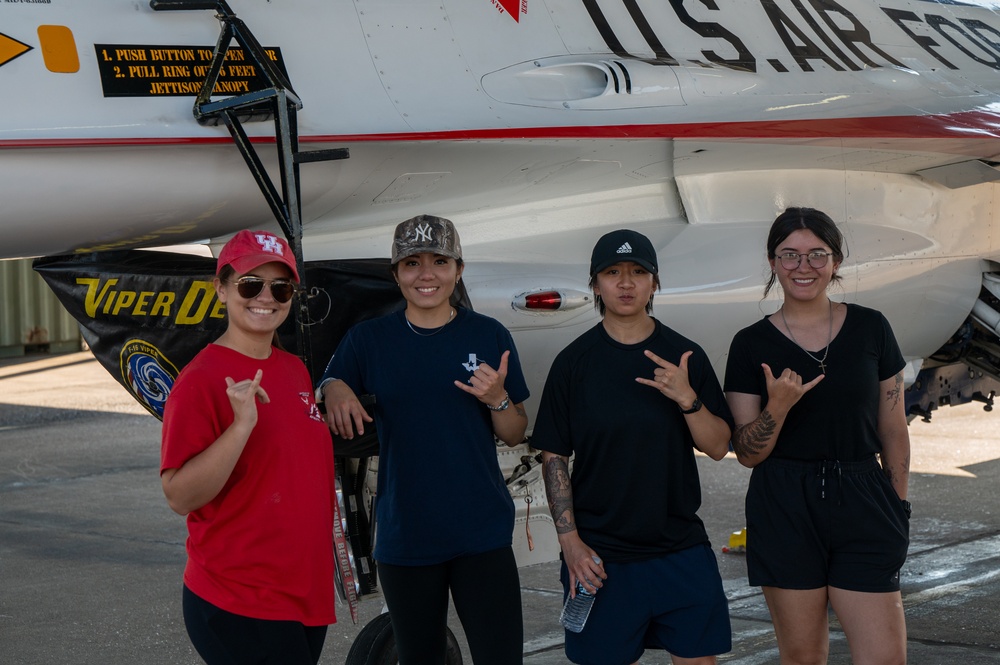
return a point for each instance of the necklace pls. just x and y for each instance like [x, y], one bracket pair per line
[451, 315]
[821, 361]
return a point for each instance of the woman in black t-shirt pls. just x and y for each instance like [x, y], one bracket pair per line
[816, 390]
[631, 400]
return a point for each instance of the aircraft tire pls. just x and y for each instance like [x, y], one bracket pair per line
[376, 645]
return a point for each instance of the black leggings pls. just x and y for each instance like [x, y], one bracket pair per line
[224, 638]
[487, 594]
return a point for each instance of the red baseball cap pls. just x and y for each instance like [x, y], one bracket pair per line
[251, 249]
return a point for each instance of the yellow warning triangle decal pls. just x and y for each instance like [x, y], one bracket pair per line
[10, 48]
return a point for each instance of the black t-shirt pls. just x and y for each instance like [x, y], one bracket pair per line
[838, 418]
[635, 481]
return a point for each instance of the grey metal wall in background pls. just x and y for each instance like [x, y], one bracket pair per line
[32, 320]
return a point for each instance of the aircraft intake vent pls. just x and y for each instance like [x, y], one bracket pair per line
[618, 73]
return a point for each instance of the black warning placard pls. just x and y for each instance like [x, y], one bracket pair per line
[134, 70]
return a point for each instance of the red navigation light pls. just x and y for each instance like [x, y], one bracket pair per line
[545, 300]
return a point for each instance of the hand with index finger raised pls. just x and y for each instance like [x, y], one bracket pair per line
[669, 379]
[244, 395]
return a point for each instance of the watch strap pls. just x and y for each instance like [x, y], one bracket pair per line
[695, 407]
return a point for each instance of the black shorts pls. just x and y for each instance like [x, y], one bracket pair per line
[817, 524]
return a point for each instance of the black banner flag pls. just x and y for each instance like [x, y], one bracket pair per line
[146, 314]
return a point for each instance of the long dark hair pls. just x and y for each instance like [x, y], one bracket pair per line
[809, 219]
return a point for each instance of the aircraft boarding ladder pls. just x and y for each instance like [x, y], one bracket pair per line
[277, 102]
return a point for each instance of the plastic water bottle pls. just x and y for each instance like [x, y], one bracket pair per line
[576, 610]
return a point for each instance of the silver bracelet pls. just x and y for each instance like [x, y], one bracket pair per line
[502, 406]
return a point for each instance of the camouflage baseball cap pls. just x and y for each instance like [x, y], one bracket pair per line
[425, 233]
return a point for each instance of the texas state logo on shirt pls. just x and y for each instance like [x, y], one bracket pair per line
[472, 364]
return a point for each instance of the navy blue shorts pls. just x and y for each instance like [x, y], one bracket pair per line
[674, 603]
[817, 524]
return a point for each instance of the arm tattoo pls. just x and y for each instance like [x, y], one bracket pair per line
[892, 395]
[889, 472]
[559, 493]
[520, 411]
[752, 438]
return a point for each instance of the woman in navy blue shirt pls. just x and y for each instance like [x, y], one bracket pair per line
[446, 381]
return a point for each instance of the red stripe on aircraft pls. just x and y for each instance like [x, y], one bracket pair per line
[968, 125]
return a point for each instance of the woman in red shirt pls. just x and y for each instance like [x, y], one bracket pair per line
[247, 458]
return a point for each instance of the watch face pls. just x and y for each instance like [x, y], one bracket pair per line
[502, 405]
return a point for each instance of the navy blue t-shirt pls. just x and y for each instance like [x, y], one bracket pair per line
[440, 490]
[636, 490]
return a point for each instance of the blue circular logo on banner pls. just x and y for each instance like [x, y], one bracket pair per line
[147, 374]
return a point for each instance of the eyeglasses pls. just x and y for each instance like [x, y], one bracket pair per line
[282, 290]
[791, 260]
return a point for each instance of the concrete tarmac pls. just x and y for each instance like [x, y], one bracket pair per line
[91, 557]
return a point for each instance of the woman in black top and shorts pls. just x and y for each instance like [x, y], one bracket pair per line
[816, 390]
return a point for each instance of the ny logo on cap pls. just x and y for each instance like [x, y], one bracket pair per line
[423, 232]
[270, 244]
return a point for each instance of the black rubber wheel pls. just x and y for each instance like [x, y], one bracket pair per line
[376, 645]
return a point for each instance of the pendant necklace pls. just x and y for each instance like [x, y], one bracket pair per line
[451, 315]
[821, 361]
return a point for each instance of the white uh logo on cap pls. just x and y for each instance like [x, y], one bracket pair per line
[269, 243]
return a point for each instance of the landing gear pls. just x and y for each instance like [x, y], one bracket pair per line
[376, 645]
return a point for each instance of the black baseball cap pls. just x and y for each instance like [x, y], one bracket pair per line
[623, 245]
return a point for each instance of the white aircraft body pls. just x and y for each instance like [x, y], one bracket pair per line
[536, 126]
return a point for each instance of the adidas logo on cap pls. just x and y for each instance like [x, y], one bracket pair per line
[622, 245]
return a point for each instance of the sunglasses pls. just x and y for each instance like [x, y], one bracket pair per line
[282, 290]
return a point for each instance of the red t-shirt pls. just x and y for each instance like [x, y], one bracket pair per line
[263, 547]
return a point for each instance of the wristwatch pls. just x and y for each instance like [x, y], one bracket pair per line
[502, 406]
[695, 407]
